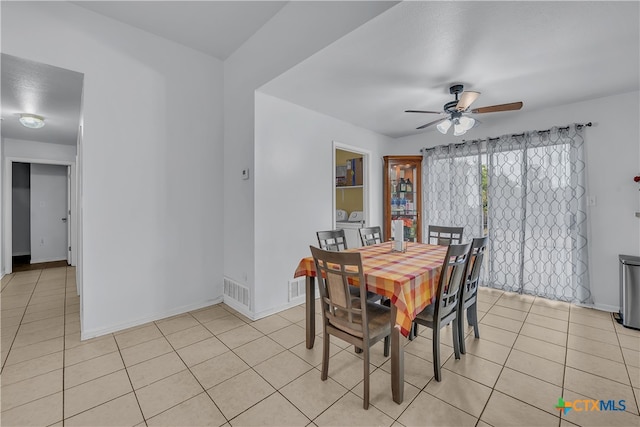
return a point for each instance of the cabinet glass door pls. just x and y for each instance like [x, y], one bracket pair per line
[403, 195]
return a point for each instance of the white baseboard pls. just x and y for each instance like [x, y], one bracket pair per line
[240, 308]
[36, 261]
[283, 307]
[93, 333]
[606, 307]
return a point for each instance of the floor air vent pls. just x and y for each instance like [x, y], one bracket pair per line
[236, 292]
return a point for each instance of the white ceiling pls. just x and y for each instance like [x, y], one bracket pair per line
[216, 28]
[542, 53]
[51, 92]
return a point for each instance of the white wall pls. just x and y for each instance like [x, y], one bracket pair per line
[2, 220]
[613, 159]
[275, 48]
[152, 167]
[21, 209]
[48, 205]
[17, 148]
[294, 188]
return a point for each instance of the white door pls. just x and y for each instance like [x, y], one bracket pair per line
[48, 213]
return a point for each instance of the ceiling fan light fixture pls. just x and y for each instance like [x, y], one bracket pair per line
[467, 122]
[31, 121]
[444, 126]
[454, 110]
[459, 129]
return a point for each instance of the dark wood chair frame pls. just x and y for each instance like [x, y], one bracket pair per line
[469, 294]
[332, 240]
[444, 235]
[444, 309]
[343, 315]
[370, 235]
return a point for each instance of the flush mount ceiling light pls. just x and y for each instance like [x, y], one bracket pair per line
[31, 121]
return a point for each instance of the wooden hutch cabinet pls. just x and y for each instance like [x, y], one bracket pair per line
[403, 195]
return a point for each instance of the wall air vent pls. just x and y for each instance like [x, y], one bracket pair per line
[236, 293]
[297, 289]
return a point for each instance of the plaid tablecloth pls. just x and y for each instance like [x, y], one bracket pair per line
[408, 278]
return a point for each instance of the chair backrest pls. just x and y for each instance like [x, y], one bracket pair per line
[452, 277]
[370, 235]
[332, 240]
[441, 235]
[334, 271]
[478, 248]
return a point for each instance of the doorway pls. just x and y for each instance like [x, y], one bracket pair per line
[55, 95]
[40, 209]
[351, 195]
[46, 229]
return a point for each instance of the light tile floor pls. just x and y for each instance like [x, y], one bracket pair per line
[216, 367]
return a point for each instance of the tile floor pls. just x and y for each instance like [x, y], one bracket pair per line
[216, 367]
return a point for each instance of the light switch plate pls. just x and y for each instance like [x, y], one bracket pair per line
[245, 173]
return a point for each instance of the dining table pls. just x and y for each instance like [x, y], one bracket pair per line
[408, 278]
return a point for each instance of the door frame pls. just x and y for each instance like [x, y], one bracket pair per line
[7, 207]
[366, 188]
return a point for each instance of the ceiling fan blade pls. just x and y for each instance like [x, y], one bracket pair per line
[496, 108]
[432, 123]
[423, 111]
[466, 99]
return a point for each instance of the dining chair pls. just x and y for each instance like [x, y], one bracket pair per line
[444, 309]
[335, 240]
[469, 293]
[441, 235]
[344, 316]
[332, 240]
[370, 235]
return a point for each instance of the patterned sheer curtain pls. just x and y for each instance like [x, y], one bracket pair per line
[530, 192]
[537, 214]
[452, 188]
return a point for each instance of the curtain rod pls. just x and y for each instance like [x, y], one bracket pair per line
[473, 141]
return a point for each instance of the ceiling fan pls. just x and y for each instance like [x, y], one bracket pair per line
[453, 111]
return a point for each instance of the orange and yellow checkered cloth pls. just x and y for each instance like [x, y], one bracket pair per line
[408, 278]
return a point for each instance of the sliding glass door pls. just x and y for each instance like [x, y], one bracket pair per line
[531, 204]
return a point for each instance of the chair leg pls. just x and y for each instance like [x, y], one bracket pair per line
[472, 315]
[413, 332]
[325, 358]
[365, 404]
[456, 338]
[357, 349]
[461, 333]
[387, 345]
[436, 352]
